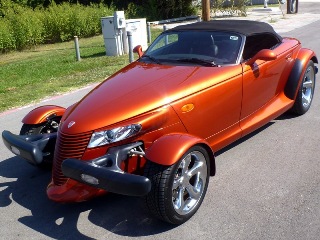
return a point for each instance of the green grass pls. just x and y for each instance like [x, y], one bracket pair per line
[48, 70]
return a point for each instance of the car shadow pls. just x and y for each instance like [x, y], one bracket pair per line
[243, 139]
[26, 185]
[284, 116]
[287, 115]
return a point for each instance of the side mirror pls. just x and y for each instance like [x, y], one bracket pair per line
[138, 49]
[264, 54]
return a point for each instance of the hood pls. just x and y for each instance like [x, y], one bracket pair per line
[139, 88]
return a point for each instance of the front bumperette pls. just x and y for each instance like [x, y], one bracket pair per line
[105, 172]
[32, 148]
[86, 179]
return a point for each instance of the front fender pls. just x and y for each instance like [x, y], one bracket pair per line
[168, 149]
[296, 74]
[40, 114]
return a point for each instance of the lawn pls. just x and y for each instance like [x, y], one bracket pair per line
[49, 70]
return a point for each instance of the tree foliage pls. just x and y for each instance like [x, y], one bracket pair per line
[151, 9]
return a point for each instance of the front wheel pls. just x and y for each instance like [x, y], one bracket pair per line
[306, 91]
[177, 191]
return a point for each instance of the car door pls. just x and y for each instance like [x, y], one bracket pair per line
[213, 113]
[262, 80]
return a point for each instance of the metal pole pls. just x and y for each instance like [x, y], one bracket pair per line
[76, 45]
[129, 34]
[149, 32]
[166, 39]
[124, 41]
[164, 27]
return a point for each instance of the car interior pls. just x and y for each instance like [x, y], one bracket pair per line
[257, 42]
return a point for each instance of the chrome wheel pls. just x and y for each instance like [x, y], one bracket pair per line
[177, 191]
[308, 87]
[189, 182]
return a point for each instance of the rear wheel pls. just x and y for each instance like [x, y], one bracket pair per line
[42, 128]
[306, 90]
[177, 191]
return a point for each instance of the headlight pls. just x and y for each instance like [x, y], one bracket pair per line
[114, 135]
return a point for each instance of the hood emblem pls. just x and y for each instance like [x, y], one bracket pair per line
[71, 124]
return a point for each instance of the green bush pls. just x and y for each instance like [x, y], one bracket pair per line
[62, 22]
[22, 27]
[7, 41]
[155, 9]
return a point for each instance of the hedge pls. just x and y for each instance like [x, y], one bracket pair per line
[24, 27]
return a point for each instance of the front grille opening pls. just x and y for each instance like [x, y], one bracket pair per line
[68, 146]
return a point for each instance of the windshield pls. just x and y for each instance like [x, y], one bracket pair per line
[194, 47]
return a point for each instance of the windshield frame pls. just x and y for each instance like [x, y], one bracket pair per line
[152, 49]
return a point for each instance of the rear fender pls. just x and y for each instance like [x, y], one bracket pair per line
[40, 114]
[296, 74]
[168, 149]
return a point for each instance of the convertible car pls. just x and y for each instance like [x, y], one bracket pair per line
[151, 129]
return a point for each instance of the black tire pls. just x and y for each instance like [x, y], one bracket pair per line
[32, 129]
[168, 182]
[292, 6]
[42, 128]
[306, 90]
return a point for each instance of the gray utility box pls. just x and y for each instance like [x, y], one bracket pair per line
[114, 30]
[138, 28]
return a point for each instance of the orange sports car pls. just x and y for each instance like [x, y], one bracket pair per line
[151, 129]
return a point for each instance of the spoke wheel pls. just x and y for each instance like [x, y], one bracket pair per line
[178, 190]
[189, 181]
[306, 91]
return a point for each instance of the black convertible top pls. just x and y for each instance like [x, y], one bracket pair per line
[245, 27]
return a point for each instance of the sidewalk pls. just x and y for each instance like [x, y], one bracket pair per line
[275, 16]
[279, 19]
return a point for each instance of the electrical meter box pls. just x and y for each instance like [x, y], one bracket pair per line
[113, 30]
[138, 28]
[119, 19]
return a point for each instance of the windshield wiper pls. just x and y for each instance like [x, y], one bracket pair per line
[151, 58]
[198, 60]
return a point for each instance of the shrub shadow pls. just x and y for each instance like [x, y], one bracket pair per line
[101, 54]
